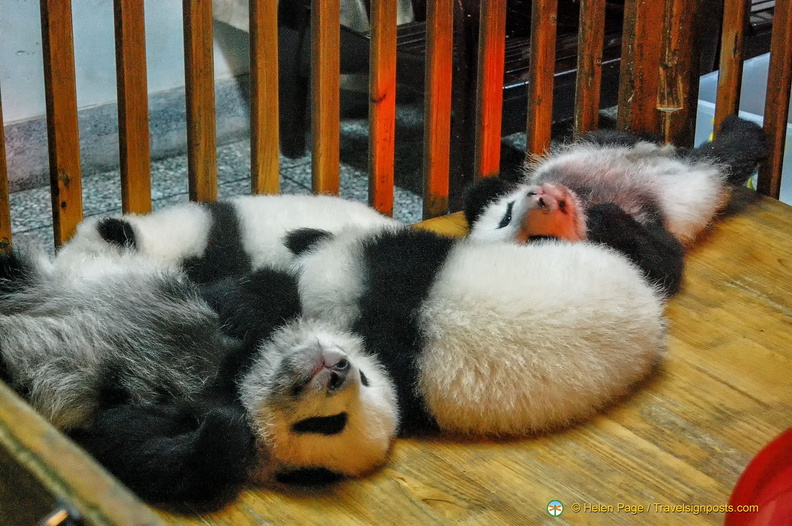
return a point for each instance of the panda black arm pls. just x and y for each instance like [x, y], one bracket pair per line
[651, 247]
[174, 453]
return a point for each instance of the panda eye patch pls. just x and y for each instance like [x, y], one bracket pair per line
[507, 217]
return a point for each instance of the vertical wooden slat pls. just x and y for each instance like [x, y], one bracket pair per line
[732, 53]
[133, 130]
[638, 81]
[325, 95]
[62, 125]
[489, 87]
[779, 84]
[589, 65]
[5, 205]
[264, 122]
[679, 73]
[437, 109]
[382, 104]
[199, 86]
[541, 76]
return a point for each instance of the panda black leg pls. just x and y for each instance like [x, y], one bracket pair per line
[656, 252]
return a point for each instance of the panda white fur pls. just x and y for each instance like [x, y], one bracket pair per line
[482, 339]
[125, 355]
[230, 237]
[652, 183]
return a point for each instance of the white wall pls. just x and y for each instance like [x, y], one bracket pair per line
[21, 70]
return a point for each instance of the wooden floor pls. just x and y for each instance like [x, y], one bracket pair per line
[682, 438]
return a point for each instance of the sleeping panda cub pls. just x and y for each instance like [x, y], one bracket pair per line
[144, 370]
[230, 237]
[621, 190]
[479, 339]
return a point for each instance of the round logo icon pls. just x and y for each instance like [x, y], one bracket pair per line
[555, 508]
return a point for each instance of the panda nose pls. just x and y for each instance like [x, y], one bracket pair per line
[336, 361]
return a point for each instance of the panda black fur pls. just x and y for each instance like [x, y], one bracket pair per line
[680, 189]
[226, 238]
[483, 339]
[123, 354]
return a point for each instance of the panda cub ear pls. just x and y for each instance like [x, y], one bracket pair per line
[303, 239]
[481, 195]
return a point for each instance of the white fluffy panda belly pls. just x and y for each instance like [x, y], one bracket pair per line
[522, 339]
[503, 339]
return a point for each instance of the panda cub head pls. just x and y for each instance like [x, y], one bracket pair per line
[499, 210]
[317, 401]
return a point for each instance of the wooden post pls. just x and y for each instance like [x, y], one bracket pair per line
[199, 85]
[382, 105]
[489, 87]
[779, 82]
[62, 127]
[677, 96]
[732, 54]
[437, 109]
[638, 84]
[591, 38]
[264, 121]
[325, 95]
[5, 205]
[133, 123]
[541, 76]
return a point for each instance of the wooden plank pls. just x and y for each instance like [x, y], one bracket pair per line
[5, 205]
[732, 53]
[777, 101]
[437, 106]
[52, 465]
[382, 105]
[677, 96]
[541, 75]
[591, 38]
[62, 127]
[489, 87]
[638, 81]
[325, 95]
[133, 124]
[199, 86]
[264, 121]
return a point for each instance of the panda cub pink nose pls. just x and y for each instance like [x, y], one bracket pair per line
[337, 363]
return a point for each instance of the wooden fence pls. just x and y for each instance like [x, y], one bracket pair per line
[657, 93]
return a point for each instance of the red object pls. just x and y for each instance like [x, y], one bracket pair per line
[766, 483]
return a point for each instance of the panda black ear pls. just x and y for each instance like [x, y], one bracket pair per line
[117, 232]
[483, 192]
[303, 239]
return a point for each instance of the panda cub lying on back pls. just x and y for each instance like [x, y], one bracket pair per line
[621, 190]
